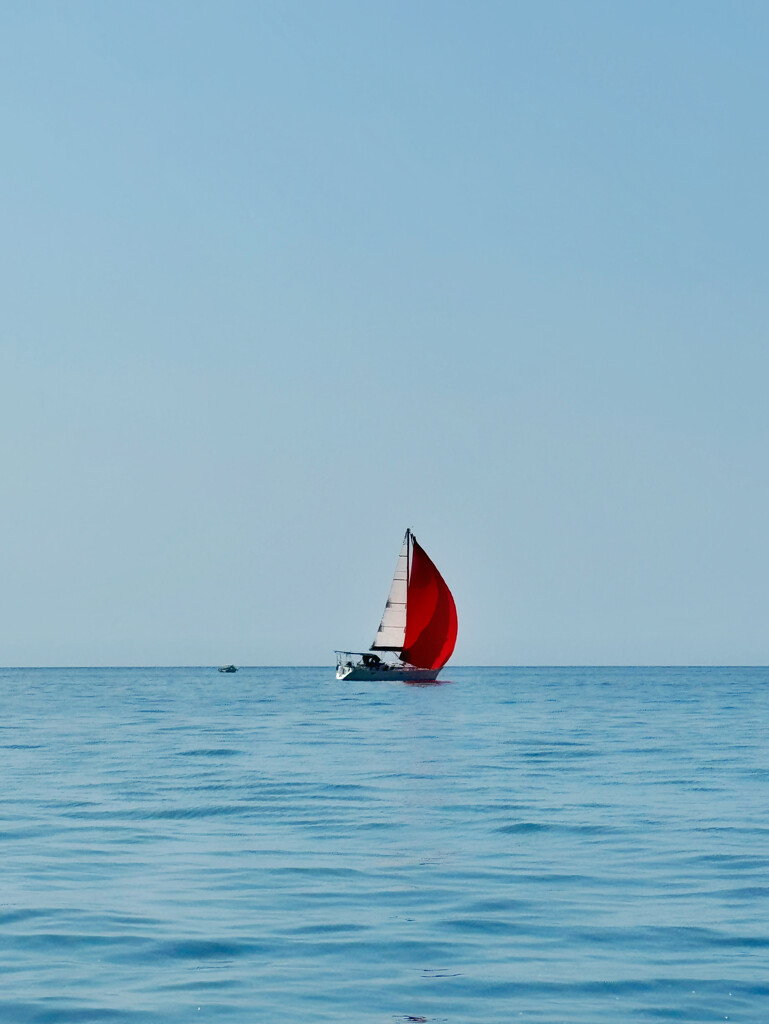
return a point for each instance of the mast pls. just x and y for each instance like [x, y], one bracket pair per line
[408, 573]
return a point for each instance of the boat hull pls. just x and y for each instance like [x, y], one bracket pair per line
[398, 673]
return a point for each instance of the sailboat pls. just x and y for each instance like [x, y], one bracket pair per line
[418, 630]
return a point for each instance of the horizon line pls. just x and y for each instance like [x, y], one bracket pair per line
[329, 665]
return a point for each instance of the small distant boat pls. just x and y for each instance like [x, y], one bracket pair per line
[227, 668]
[419, 624]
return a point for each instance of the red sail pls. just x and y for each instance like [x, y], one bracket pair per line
[431, 616]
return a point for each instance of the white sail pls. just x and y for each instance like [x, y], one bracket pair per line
[392, 628]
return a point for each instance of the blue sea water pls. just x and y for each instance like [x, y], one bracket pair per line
[579, 845]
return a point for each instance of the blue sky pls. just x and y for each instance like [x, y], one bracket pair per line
[281, 279]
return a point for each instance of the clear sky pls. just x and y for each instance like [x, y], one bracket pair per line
[281, 279]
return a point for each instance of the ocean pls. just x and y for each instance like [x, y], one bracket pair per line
[577, 845]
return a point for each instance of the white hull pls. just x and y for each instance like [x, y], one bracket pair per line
[398, 673]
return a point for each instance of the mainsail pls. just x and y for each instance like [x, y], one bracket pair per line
[420, 618]
[392, 628]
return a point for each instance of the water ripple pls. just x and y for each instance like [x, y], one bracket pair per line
[576, 845]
